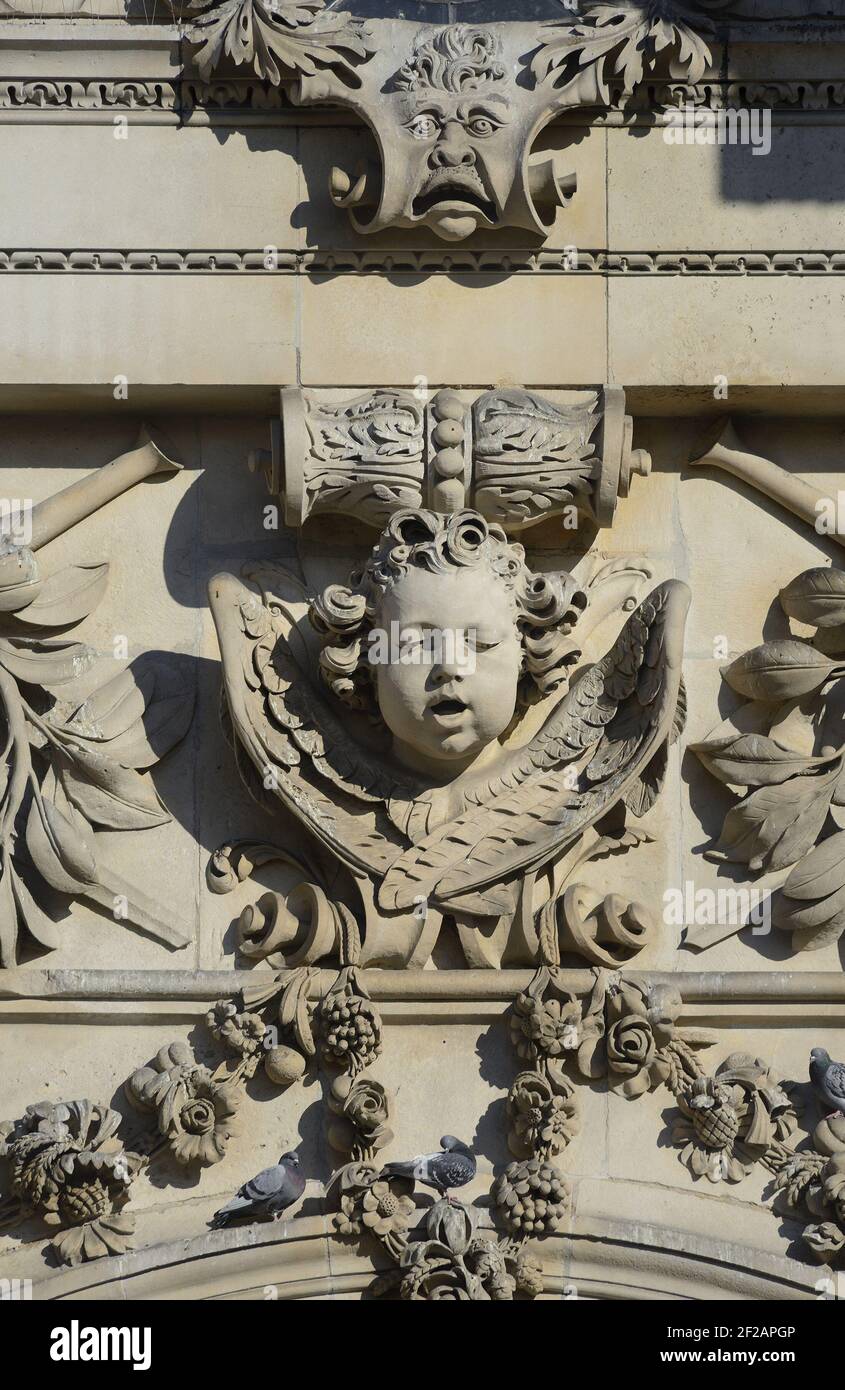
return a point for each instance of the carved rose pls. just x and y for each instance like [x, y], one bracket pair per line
[194, 1110]
[640, 1028]
[362, 1107]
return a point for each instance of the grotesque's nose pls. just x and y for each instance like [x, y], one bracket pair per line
[452, 149]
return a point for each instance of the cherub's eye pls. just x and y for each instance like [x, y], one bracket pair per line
[482, 125]
[423, 127]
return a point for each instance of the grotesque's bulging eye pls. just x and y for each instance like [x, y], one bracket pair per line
[423, 127]
[481, 125]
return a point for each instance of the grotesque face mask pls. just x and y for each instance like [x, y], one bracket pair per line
[454, 131]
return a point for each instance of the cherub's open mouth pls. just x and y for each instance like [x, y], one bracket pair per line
[447, 707]
[457, 192]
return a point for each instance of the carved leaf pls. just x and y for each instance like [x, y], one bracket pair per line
[816, 597]
[45, 663]
[776, 825]
[33, 917]
[109, 794]
[113, 708]
[782, 670]
[813, 899]
[68, 596]
[279, 39]
[60, 851]
[622, 43]
[753, 760]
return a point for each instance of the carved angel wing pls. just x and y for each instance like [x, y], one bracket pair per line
[290, 731]
[604, 743]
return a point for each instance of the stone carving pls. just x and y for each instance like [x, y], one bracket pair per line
[195, 1109]
[513, 456]
[70, 766]
[734, 1119]
[813, 1184]
[644, 1045]
[455, 109]
[452, 1261]
[797, 496]
[68, 1166]
[429, 783]
[280, 39]
[784, 747]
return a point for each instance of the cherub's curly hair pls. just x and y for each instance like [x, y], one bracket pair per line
[546, 607]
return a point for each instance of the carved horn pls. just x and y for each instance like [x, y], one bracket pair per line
[726, 452]
[58, 513]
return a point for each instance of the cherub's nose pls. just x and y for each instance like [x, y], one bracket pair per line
[452, 149]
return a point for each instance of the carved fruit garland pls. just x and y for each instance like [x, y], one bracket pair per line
[786, 746]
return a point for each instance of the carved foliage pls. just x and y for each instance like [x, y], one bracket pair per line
[70, 766]
[279, 40]
[785, 745]
[68, 1166]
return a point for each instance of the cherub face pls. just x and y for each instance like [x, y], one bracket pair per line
[454, 690]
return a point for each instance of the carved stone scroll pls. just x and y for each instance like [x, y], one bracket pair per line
[513, 455]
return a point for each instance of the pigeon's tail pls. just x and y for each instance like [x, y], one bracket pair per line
[224, 1217]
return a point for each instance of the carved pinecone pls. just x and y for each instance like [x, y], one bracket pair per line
[85, 1203]
[351, 1031]
[716, 1127]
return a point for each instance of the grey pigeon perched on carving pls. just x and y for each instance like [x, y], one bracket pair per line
[829, 1080]
[453, 1167]
[268, 1194]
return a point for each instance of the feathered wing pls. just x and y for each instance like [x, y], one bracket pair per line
[287, 727]
[605, 742]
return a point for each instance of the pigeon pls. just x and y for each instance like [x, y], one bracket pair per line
[829, 1080]
[453, 1167]
[269, 1193]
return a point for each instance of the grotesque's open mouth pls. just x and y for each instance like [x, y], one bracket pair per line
[446, 707]
[456, 190]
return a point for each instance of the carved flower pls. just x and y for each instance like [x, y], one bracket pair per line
[640, 1024]
[542, 1119]
[244, 1032]
[194, 1109]
[199, 1117]
[385, 1212]
[532, 1197]
[363, 1110]
[545, 1027]
[369, 1202]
